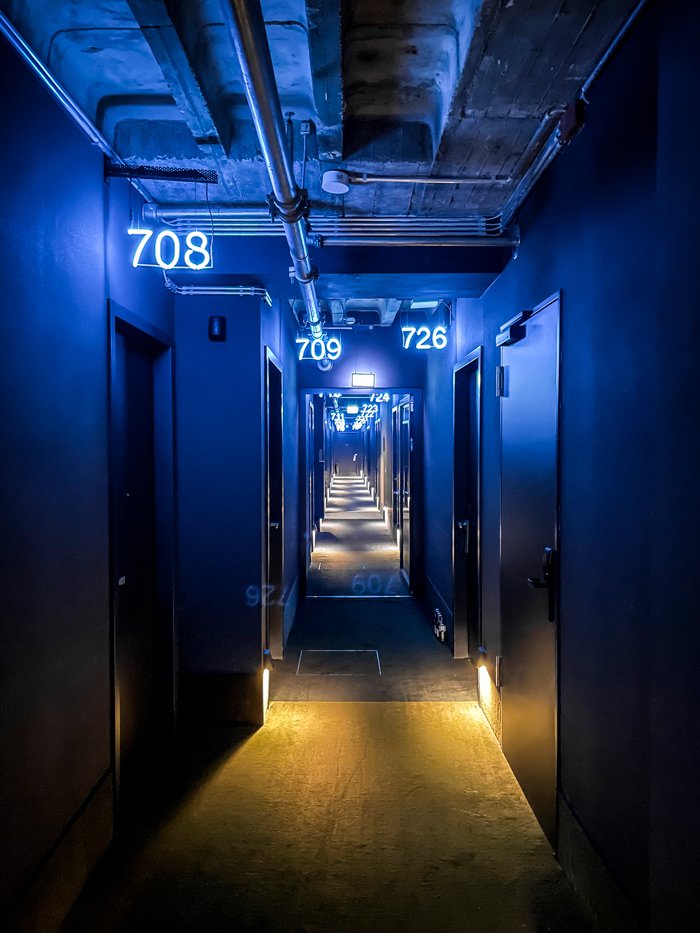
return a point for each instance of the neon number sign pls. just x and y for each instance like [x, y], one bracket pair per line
[319, 349]
[426, 338]
[165, 249]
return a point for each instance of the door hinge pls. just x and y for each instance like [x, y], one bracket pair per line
[411, 444]
[500, 381]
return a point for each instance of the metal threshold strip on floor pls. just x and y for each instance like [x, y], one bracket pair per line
[338, 651]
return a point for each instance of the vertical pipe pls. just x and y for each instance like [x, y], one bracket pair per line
[245, 21]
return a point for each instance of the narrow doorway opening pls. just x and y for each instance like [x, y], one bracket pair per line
[142, 558]
[466, 543]
[361, 462]
[273, 557]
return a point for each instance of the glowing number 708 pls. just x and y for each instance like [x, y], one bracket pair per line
[146, 234]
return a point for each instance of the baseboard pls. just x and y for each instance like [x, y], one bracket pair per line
[220, 699]
[596, 888]
[56, 884]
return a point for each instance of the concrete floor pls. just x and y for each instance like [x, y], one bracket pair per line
[330, 655]
[340, 817]
[355, 553]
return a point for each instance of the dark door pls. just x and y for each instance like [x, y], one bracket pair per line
[376, 460]
[529, 419]
[395, 472]
[273, 583]
[405, 445]
[467, 537]
[143, 699]
[311, 473]
[347, 452]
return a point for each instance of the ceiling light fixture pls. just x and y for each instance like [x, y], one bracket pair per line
[363, 380]
[418, 304]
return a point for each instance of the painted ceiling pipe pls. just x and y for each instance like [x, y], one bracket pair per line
[338, 181]
[245, 21]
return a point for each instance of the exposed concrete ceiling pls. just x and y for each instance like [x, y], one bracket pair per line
[451, 88]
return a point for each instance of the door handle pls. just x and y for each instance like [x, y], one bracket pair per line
[464, 528]
[547, 581]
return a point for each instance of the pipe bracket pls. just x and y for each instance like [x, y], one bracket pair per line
[298, 210]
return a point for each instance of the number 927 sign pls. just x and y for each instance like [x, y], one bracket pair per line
[169, 250]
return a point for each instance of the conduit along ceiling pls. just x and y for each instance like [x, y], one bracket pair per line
[480, 91]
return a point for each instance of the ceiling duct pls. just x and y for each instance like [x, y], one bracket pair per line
[334, 230]
[245, 21]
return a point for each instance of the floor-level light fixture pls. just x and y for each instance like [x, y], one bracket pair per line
[267, 667]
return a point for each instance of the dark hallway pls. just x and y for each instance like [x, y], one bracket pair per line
[348, 457]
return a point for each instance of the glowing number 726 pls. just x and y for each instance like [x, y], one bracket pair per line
[408, 335]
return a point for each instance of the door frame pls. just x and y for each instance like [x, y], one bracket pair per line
[460, 637]
[541, 306]
[123, 321]
[274, 641]
[417, 457]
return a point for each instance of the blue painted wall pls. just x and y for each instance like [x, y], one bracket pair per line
[59, 263]
[604, 226]
[377, 351]
[219, 484]
[219, 391]
[675, 504]
[587, 232]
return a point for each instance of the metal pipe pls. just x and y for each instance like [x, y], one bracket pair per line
[531, 176]
[462, 242]
[238, 291]
[174, 212]
[619, 36]
[247, 27]
[227, 221]
[554, 143]
[364, 178]
[61, 95]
